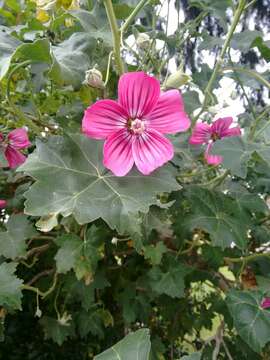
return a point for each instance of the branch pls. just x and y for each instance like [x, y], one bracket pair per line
[246, 258]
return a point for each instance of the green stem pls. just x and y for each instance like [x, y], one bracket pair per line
[132, 16]
[246, 258]
[108, 68]
[116, 36]
[43, 294]
[208, 89]
[216, 181]
[255, 135]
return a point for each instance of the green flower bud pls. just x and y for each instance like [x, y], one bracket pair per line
[143, 41]
[93, 78]
[176, 80]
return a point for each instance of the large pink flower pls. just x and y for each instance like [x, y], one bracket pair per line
[133, 126]
[16, 140]
[208, 134]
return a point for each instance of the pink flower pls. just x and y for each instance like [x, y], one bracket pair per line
[208, 134]
[133, 126]
[3, 204]
[265, 304]
[17, 139]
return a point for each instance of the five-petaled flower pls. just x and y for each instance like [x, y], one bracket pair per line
[204, 133]
[11, 145]
[265, 304]
[133, 126]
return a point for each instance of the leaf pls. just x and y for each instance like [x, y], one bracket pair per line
[90, 322]
[263, 47]
[8, 45]
[244, 40]
[55, 330]
[217, 214]
[70, 179]
[12, 241]
[191, 101]
[75, 50]
[155, 253]
[171, 281]
[10, 287]
[135, 345]
[235, 154]
[201, 78]
[67, 255]
[251, 321]
[209, 42]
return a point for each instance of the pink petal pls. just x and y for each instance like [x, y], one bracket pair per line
[265, 304]
[151, 150]
[138, 93]
[235, 131]
[103, 119]
[168, 116]
[220, 126]
[1, 137]
[18, 138]
[118, 152]
[210, 158]
[201, 134]
[14, 157]
[3, 204]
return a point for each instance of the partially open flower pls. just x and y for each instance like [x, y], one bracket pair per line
[93, 78]
[3, 204]
[143, 41]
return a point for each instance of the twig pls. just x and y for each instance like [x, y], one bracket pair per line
[39, 275]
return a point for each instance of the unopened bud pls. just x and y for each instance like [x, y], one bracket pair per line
[176, 80]
[93, 78]
[143, 41]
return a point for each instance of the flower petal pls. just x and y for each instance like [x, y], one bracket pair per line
[151, 150]
[3, 204]
[14, 157]
[138, 93]
[118, 153]
[235, 131]
[221, 125]
[265, 304]
[201, 134]
[168, 116]
[18, 138]
[210, 158]
[103, 119]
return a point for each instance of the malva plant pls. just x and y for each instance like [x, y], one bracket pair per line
[134, 180]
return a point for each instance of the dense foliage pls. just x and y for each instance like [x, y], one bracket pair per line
[171, 265]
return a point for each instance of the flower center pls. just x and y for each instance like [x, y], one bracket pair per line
[136, 126]
[215, 137]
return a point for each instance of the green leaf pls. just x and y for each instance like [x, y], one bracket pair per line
[12, 241]
[171, 281]
[57, 330]
[235, 154]
[251, 321]
[95, 24]
[155, 253]
[69, 252]
[209, 42]
[202, 77]
[10, 287]
[244, 40]
[263, 47]
[8, 45]
[217, 214]
[134, 346]
[70, 179]
[191, 101]
[90, 322]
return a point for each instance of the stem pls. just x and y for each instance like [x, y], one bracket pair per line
[237, 15]
[108, 68]
[116, 35]
[43, 294]
[246, 258]
[254, 136]
[216, 181]
[132, 16]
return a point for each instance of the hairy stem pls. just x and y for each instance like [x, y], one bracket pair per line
[132, 16]
[116, 36]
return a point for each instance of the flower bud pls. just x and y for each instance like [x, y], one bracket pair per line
[93, 78]
[176, 80]
[143, 41]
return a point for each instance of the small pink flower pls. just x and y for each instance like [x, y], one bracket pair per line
[3, 204]
[265, 304]
[133, 126]
[208, 134]
[17, 139]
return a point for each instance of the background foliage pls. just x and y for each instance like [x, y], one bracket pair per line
[174, 266]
